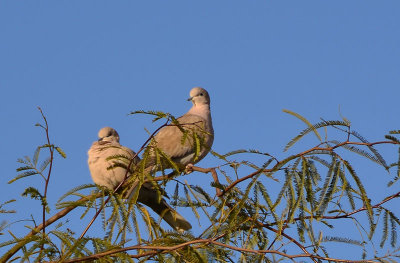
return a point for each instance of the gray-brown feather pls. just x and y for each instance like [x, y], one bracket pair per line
[171, 141]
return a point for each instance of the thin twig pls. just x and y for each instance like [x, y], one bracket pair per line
[46, 127]
[208, 170]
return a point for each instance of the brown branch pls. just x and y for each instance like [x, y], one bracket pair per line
[51, 149]
[207, 170]
[164, 249]
[289, 238]
[229, 187]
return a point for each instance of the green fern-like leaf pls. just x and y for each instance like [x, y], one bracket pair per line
[190, 202]
[343, 240]
[323, 197]
[44, 164]
[330, 191]
[284, 188]
[301, 226]
[61, 152]
[4, 211]
[150, 112]
[346, 186]
[305, 121]
[310, 195]
[320, 160]
[393, 236]
[235, 152]
[363, 153]
[36, 156]
[364, 197]
[371, 148]
[299, 181]
[397, 164]
[392, 138]
[197, 146]
[312, 128]
[205, 196]
[385, 229]
[74, 191]
[267, 199]
[32, 193]
[23, 175]
[168, 159]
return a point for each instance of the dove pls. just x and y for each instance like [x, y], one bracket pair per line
[107, 152]
[186, 149]
[99, 159]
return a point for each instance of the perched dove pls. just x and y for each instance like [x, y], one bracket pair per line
[198, 140]
[99, 163]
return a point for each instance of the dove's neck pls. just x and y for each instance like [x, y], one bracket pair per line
[202, 111]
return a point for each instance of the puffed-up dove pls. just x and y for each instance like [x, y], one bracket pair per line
[108, 161]
[188, 142]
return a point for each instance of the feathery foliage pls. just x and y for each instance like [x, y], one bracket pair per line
[259, 208]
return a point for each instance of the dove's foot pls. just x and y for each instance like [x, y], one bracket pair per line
[189, 168]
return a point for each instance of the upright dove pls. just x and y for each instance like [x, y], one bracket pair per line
[108, 161]
[184, 149]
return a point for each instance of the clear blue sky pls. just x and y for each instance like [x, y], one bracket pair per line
[89, 63]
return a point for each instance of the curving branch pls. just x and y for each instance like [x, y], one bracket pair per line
[154, 250]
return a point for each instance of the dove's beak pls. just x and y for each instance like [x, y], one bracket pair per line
[189, 99]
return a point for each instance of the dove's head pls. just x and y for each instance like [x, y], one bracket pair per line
[199, 96]
[108, 134]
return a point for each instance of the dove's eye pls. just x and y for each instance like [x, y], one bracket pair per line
[201, 94]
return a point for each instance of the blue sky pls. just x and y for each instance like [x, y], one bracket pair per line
[87, 64]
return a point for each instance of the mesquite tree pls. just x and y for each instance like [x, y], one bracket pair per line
[315, 191]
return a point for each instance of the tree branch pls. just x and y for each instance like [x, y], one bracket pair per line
[164, 249]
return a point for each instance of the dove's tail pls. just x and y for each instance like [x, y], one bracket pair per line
[150, 198]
